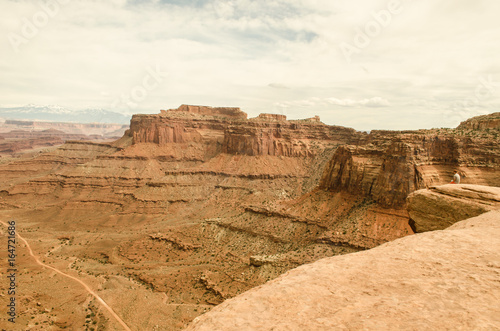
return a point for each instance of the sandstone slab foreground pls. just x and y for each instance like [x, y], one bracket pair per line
[440, 280]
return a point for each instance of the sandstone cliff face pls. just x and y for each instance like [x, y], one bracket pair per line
[491, 121]
[183, 125]
[272, 117]
[275, 139]
[386, 175]
[273, 135]
[147, 129]
[230, 132]
[226, 112]
[388, 166]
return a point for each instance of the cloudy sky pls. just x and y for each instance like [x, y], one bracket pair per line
[366, 64]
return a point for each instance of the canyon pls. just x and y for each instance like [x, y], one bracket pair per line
[196, 205]
[440, 280]
[19, 137]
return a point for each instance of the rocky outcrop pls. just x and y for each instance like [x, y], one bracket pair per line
[278, 138]
[272, 117]
[226, 130]
[270, 140]
[484, 122]
[185, 124]
[227, 112]
[162, 134]
[387, 177]
[436, 280]
[439, 207]
[387, 166]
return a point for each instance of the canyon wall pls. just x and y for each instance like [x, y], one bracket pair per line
[232, 133]
[282, 138]
[389, 165]
[196, 205]
[225, 112]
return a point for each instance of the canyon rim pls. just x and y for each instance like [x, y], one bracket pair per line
[196, 205]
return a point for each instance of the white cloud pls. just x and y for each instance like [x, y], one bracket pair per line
[277, 85]
[371, 102]
[227, 53]
[315, 101]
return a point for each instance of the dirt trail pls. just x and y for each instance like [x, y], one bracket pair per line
[87, 288]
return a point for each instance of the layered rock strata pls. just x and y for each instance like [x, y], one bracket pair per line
[484, 122]
[228, 131]
[12, 146]
[387, 166]
[194, 206]
[439, 207]
[163, 212]
[226, 112]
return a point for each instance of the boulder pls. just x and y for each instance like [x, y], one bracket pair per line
[439, 207]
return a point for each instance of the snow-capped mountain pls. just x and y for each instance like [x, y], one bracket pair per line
[56, 113]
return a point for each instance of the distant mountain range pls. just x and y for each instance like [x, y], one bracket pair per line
[62, 114]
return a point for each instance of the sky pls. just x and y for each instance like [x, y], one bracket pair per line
[366, 64]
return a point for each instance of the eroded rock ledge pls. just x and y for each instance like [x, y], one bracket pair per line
[439, 207]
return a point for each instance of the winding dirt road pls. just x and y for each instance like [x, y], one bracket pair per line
[87, 288]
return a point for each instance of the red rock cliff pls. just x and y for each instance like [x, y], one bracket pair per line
[228, 128]
[229, 112]
[271, 134]
[389, 165]
[491, 121]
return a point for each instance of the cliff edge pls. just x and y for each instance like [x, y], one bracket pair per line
[442, 206]
[436, 280]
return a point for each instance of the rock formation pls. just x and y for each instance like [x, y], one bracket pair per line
[384, 167]
[272, 117]
[484, 122]
[226, 112]
[14, 146]
[166, 196]
[387, 176]
[433, 281]
[17, 142]
[196, 205]
[439, 207]
[387, 166]
[295, 139]
[228, 131]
